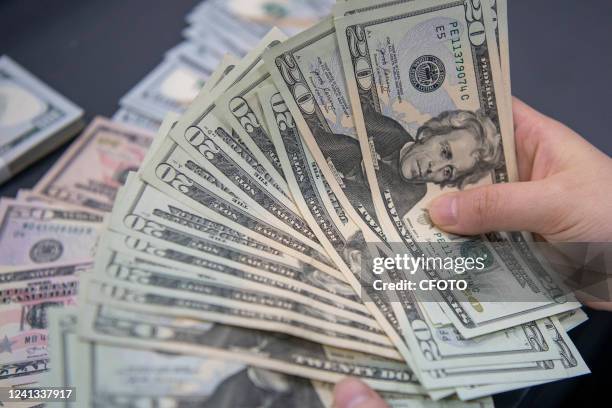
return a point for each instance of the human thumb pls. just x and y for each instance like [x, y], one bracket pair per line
[526, 206]
[352, 393]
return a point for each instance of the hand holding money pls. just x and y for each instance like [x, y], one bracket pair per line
[561, 170]
[552, 174]
[228, 261]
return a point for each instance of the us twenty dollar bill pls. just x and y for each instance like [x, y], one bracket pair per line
[446, 129]
[568, 362]
[119, 263]
[199, 130]
[307, 69]
[152, 216]
[272, 351]
[218, 176]
[341, 223]
[179, 176]
[240, 277]
[494, 16]
[218, 172]
[107, 375]
[203, 298]
[343, 240]
[240, 108]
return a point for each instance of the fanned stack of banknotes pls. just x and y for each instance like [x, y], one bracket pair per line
[230, 251]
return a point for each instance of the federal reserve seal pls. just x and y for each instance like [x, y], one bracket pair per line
[427, 73]
[46, 250]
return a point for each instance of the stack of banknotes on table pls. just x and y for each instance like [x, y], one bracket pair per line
[217, 29]
[34, 119]
[223, 261]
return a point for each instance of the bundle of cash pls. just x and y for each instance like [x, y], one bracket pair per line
[233, 264]
[49, 237]
[34, 119]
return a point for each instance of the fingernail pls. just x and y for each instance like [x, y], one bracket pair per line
[444, 211]
[355, 401]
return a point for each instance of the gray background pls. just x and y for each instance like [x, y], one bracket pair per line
[94, 51]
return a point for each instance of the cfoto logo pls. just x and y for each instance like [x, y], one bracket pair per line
[427, 73]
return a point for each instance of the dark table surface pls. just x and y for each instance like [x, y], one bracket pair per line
[94, 51]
